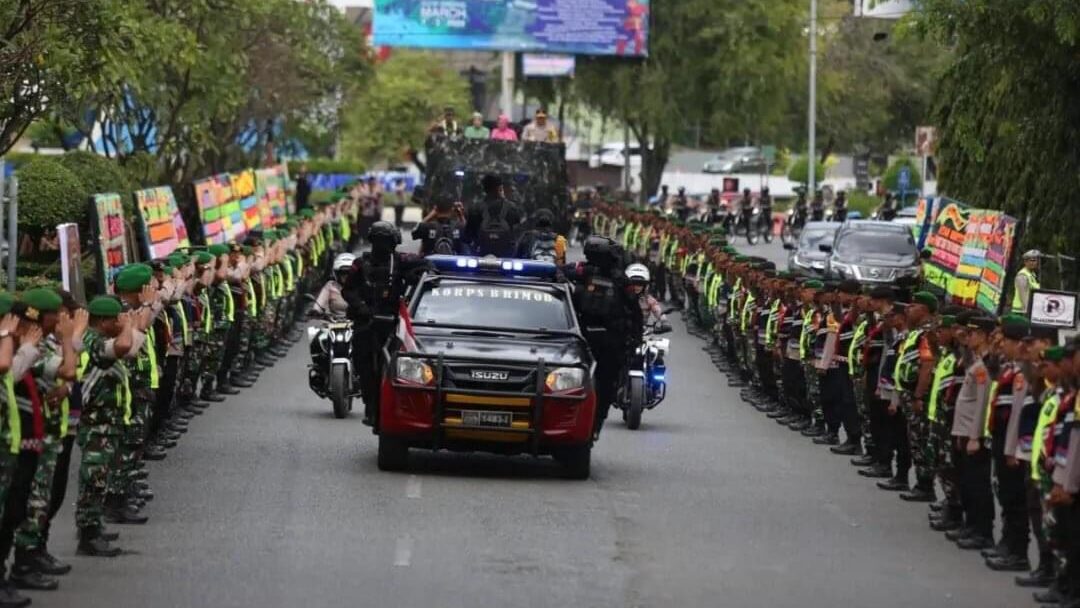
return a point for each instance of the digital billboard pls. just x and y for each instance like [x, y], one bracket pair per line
[583, 27]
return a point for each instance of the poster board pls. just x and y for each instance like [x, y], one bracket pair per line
[988, 244]
[71, 261]
[243, 192]
[163, 227]
[220, 213]
[271, 186]
[110, 235]
[945, 243]
[1052, 308]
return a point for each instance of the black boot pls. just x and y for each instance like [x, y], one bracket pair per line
[1042, 576]
[227, 389]
[946, 524]
[898, 483]
[156, 451]
[866, 460]
[848, 448]
[1009, 562]
[92, 543]
[45, 563]
[877, 471]
[211, 397]
[25, 576]
[241, 382]
[975, 542]
[827, 439]
[923, 492]
[118, 510]
[816, 430]
[959, 533]
[938, 506]
[10, 597]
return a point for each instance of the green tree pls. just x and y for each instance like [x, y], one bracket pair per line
[393, 114]
[1009, 122]
[725, 65]
[49, 194]
[799, 172]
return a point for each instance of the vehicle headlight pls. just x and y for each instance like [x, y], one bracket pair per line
[565, 379]
[414, 370]
[800, 262]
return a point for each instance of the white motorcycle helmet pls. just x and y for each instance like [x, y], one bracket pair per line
[342, 264]
[637, 274]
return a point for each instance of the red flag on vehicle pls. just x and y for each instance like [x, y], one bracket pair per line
[405, 329]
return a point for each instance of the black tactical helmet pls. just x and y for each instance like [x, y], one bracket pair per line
[599, 250]
[384, 234]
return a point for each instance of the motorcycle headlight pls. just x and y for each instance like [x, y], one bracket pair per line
[414, 371]
[565, 379]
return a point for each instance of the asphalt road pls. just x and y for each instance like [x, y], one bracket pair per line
[270, 502]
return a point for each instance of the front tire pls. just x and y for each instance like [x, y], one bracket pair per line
[636, 403]
[339, 391]
[393, 454]
[576, 462]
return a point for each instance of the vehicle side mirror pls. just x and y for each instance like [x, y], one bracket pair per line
[789, 246]
[825, 248]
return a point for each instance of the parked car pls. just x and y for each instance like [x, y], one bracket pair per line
[612, 154]
[872, 252]
[805, 256]
[747, 159]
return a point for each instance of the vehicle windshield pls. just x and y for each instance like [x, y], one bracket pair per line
[496, 306]
[883, 243]
[812, 237]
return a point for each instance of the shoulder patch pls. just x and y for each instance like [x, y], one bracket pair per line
[981, 375]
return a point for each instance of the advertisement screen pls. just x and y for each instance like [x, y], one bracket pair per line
[536, 65]
[583, 27]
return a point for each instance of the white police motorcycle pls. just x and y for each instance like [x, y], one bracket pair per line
[645, 384]
[330, 373]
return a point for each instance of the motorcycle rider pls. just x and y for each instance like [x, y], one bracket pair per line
[712, 207]
[374, 287]
[637, 284]
[746, 208]
[329, 303]
[682, 204]
[602, 301]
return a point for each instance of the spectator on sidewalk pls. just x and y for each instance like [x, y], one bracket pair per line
[303, 188]
[503, 131]
[477, 130]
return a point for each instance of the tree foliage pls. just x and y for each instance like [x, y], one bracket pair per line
[392, 115]
[1009, 124]
[800, 171]
[49, 194]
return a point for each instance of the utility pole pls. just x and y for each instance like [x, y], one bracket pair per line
[509, 65]
[811, 155]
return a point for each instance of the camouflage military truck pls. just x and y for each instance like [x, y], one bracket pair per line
[534, 173]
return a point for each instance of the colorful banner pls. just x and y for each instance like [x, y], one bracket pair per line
[580, 27]
[243, 191]
[110, 234]
[71, 261]
[270, 188]
[163, 227]
[969, 253]
[988, 244]
[220, 212]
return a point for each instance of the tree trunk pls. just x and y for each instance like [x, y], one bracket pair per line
[653, 162]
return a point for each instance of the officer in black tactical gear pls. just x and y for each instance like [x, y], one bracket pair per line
[373, 291]
[602, 302]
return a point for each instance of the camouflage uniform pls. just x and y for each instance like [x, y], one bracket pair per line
[143, 383]
[918, 425]
[106, 407]
[211, 338]
[30, 533]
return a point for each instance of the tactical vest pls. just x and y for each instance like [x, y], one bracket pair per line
[906, 372]
[806, 334]
[379, 280]
[1033, 284]
[855, 348]
[944, 379]
[1050, 403]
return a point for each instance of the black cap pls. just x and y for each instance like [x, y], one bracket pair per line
[883, 292]
[849, 286]
[981, 323]
[1041, 332]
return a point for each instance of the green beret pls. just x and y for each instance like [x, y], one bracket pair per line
[6, 300]
[947, 321]
[927, 299]
[218, 249]
[981, 323]
[336, 197]
[247, 250]
[307, 213]
[133, 277]
[43, 299]
[1015, 328]
[813, 284]
[105, 306]
[717, 242]
[741, 258]
[1054, 354]
[177, 259]
[1012, 317]
[203, 258]
[269, 236]
[728, 249]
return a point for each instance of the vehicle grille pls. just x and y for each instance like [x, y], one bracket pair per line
[875, 273]
[519, 379]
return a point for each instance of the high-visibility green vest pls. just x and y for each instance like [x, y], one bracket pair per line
[207, 312]
[290, 282]
[905, 357]
[14, 422]
[807, 334]
[770, 325]
[989, 408]
[346, 230]
[1047, 414]
[1033, 283]
[252, 304]
[746, 310]
[123, 397]
[184, 331]
[854, 353]
[151, 340]
[943, 372]
[230, 306]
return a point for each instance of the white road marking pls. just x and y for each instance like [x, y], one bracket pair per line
[412, 487]
[403, 551]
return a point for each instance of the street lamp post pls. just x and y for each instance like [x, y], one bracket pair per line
[811, 163]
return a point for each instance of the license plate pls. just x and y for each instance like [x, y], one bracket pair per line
[493, 419]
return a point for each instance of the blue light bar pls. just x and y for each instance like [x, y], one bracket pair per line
[658, 377]
[503, 266]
